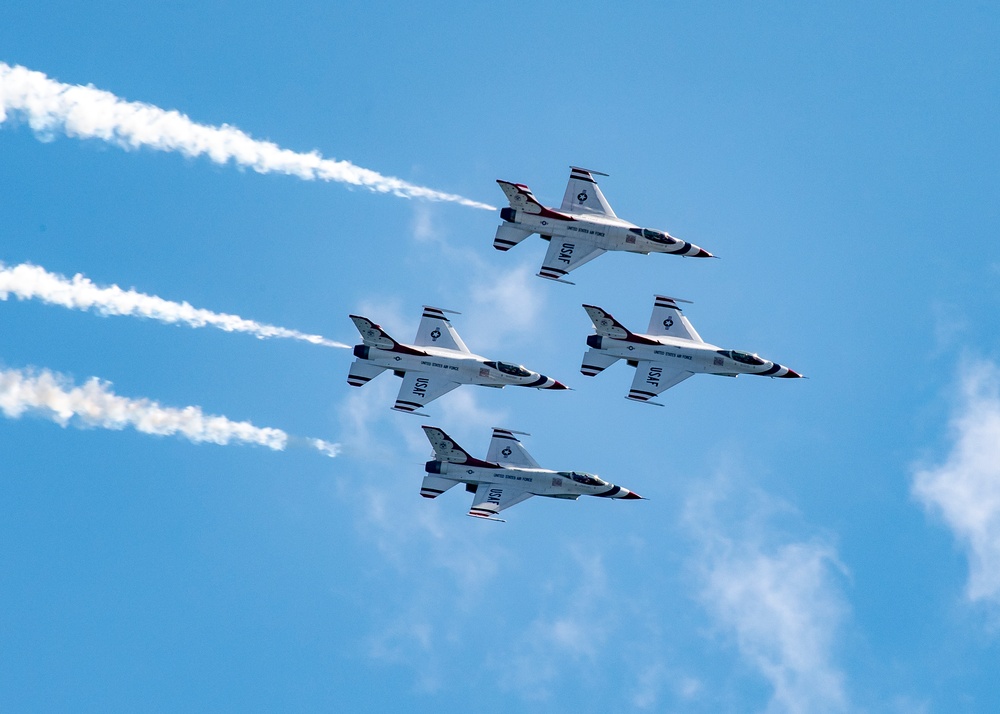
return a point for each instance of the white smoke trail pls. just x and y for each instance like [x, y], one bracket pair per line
[53, 396]
[28, 282]
[88, 112]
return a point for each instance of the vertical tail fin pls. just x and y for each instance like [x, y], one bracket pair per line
[605, 323]
[374, 336]
[522, 199]
[445, 449]
[607, 326]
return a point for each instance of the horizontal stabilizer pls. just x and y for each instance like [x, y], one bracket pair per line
[362, 372]
[596, 361]
[508, 236]
[434, 486]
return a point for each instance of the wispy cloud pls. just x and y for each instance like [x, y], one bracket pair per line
[89, 113]
[965, 490]
[53, 396]
[27, 282]
[776, 596]
[506, 306]
[561, 637]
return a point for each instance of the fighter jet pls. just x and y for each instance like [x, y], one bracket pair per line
[435, 364]
[670, 352]
[508, 475]
[583, 228]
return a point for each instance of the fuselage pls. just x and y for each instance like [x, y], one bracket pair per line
[689, 356]
[540, 482]
[455, 366]
[603, 231]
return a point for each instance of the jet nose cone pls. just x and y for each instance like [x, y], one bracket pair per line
[702, 253]
[791, 374]
[556, 384]
[633, 496]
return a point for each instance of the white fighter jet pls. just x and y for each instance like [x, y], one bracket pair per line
[583, 228]
[436, 363]
[669, 352]
[508, 475]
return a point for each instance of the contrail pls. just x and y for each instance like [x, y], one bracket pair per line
[54, 396]
[28, 282]
[87, 112]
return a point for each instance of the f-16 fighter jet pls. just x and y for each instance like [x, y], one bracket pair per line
[508, 475]
[436, 363]
[583, 228]
[670, 352]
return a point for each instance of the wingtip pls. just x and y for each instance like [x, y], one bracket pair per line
[556, 280]
[404, 411]
[470, 514]
[645, 401]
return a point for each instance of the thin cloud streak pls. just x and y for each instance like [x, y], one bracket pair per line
[964, 490]
[779, 598]
[90, 113]
[28, 282]
[53, 396]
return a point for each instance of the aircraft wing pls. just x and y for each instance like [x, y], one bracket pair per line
[491, 498]
[584, 196]
[419, 389]
[566, 254]
[436, 331]
[652, 378]
[667, 319]
[506, 450]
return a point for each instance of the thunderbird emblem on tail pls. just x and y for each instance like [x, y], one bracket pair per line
[583, 228]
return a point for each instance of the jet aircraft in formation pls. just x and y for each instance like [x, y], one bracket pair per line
[508, 476]
[583, 227]
[436, 363]
[669, 352]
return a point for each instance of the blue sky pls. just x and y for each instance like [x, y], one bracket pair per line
[814, 545]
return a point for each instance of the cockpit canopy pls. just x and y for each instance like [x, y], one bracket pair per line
[514, 370]
[744, 357]
[584, 478]
[652, 235]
